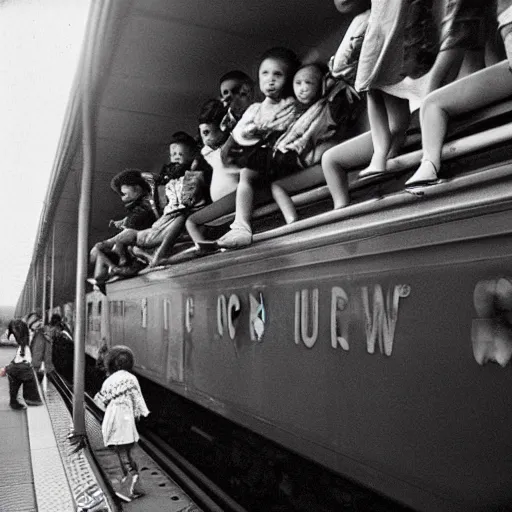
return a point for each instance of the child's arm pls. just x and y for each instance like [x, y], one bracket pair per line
[99, 402]
[139, 404]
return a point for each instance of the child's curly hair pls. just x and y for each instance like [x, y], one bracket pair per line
[119, 357]
[212, 112]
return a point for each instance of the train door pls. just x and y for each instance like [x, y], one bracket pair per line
[116, 308]
[155, 345]
[176, 322]
[135, 328]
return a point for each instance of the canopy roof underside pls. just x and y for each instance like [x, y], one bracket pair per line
[168, 60]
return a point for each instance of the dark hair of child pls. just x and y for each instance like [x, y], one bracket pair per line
[129, 177]
[184, 138]
[212, 112]
[55, 319]
[119, 358]
[289, 59]
[20, 331]
[320, 66]
[238, 75]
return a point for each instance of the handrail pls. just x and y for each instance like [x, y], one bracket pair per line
[389, 214]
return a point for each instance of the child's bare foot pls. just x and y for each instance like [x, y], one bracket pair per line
[291, 216]
[235, 238]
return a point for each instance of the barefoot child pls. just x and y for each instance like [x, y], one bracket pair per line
[120, 394]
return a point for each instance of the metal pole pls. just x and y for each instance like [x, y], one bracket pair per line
[43, 301]
[52, 271]
[34, 286]
[84, 207]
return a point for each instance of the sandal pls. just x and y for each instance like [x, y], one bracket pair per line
[371, 172]
[425, 175]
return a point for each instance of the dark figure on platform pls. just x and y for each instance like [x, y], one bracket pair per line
[20, 371]
[59, 328]
[41, 345]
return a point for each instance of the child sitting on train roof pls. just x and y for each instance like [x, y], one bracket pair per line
[464, 34]
[224, 177]
[329, 107]
[251, 142]
[236, 93]
[182, 152]
[186, 189]
[134, 191]
[326, 111]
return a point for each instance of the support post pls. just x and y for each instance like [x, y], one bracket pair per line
[43, 300]
[52, 271]
[95, 27]
[34, 286]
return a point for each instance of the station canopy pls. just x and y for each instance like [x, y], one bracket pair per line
[162, 62]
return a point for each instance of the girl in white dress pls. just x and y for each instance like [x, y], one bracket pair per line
[122, 399]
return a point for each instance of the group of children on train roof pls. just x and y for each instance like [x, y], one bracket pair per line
[394, 54]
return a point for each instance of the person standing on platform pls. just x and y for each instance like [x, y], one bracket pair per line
[122, 399]
[20, 371]
[41, 345]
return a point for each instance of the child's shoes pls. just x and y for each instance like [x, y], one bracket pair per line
[129, 489]
[33, 402]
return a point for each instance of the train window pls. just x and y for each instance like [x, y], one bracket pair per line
[89, 316]
[167, 306]
[144, 312]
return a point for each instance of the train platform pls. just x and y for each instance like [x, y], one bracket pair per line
[32, 473]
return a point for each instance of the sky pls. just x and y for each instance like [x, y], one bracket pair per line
[40, 43]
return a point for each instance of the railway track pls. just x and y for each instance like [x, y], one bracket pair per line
[205, 493]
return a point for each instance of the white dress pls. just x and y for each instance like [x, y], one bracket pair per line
[122, 397]
[224, 177]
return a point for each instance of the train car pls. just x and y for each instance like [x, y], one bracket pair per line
[357, 338]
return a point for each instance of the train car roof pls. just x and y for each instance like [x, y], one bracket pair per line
[158, 60]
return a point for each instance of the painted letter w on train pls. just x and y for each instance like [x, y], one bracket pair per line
[380, 321]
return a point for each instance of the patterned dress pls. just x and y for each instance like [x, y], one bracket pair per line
[122, 397]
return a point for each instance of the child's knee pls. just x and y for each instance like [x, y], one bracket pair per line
[329, 159]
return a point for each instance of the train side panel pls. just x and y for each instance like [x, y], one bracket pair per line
[359, 354]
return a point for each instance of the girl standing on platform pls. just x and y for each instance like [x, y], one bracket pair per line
[120, 394]
[20, 371]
